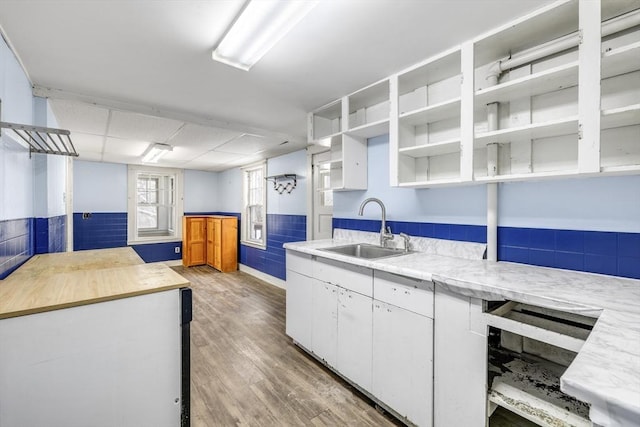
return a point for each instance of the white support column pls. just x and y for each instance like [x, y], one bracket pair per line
[589, 86]
[466, 112]
[394, 143]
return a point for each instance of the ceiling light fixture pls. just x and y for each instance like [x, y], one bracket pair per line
[260, 25]
[155, 152]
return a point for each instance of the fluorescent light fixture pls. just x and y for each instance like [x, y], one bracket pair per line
[155, 152]
[261, 24]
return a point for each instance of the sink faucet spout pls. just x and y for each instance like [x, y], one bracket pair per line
[385, 231]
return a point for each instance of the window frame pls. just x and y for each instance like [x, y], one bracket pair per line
[245, 217]
[133, 237]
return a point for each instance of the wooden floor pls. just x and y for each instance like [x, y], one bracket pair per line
[245, 371]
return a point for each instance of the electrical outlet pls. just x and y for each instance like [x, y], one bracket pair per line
[177, 249]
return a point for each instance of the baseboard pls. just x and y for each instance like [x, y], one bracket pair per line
[263, 276]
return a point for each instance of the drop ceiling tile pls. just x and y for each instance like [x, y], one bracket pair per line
[90, 156]
[79, 116]
[202, 136]
[87, 142]
[249, 144]
[125, 147]
[184, 154]
[141, 127]
[121, 158]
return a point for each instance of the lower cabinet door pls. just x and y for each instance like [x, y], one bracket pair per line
[354, 337]
[299, 302]
[403, 362]
[324, 322]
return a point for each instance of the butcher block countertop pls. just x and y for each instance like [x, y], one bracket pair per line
[62, 280]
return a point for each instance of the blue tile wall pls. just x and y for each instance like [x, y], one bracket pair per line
[17, 244]
[465, 233]
[50, 234]
[99, 231]
[57, 226]
[154, 252]
[280, 229]
[616, 254]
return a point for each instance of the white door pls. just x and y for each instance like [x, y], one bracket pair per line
[322, 196]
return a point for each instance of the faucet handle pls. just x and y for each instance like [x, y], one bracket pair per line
[406, 238]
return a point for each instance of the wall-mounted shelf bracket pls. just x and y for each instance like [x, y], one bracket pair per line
[286, 182]
[43, 140]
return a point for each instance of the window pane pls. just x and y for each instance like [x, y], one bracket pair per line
[155, 212]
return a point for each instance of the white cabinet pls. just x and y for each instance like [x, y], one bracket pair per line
[354, 337]
[299, 303]
[403, 362]
[324, 323]
[348, 165]
[460, 360]
[403, 346]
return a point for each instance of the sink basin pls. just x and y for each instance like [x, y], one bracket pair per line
[365, 250]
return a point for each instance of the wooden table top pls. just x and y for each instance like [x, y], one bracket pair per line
[62, 280]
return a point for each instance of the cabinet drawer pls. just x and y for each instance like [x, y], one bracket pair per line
[300, 263]
[411, 294]
[347, 276]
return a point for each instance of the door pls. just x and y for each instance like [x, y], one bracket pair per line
[322, 196]
[194, 251]
[299, 305]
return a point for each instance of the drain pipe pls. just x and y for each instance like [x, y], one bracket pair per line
[611, 26]
[492, 187]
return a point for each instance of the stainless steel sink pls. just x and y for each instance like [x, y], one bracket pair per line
[365, 250]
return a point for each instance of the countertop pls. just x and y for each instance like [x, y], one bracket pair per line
[606, 372]
[61, 280]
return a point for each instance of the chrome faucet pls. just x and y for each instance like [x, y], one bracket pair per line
[385, 231]
[406, 239]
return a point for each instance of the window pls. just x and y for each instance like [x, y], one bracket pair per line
[155, 204]
[254, 227]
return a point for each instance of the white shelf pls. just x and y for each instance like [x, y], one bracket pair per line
[526, 176]
[621, 170]
[433, 183]
[564, 126]
[619, 117]
[534, 84]
[369, 130]
[621, 60]
[432, 113]
[433, 149]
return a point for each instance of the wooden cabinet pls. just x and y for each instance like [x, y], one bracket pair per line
[211, 240]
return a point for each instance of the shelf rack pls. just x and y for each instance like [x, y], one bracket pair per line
[290, 181]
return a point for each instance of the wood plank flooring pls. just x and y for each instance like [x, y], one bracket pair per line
[246, 372]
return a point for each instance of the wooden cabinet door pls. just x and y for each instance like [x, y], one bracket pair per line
[228, 244]
[194, 241]
[210, 241]
[403, 362]
[217, 244]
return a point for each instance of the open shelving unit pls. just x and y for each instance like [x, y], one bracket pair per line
[620, 99]
[567, 96]
[428, 134]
